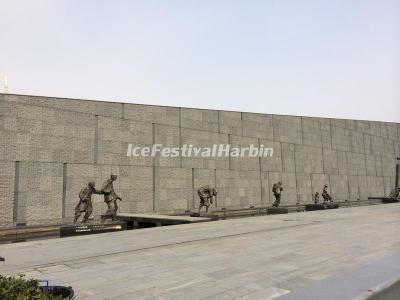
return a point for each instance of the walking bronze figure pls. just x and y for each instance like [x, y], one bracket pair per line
[85, 202]
[277, 191]
[110, 198]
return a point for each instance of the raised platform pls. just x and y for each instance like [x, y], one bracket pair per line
[390, 200]
[320, 206]
[277, 210]
[135, 221]
[21, 234]
[385, 199]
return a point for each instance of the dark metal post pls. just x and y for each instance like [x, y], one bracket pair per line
[398, 173]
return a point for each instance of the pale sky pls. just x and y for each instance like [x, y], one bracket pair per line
[313, 58]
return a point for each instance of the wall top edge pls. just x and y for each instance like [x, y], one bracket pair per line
[196, 108]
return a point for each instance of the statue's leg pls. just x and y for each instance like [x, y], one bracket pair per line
[201, 203]
[77, 211]
[77, 215]
[88, 212]
[116, 206]
[115, 209]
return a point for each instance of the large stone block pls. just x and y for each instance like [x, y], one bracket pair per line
[200, 119]
[238, 189]
[388, 166]
[391, 131]
[288, 158]
[342, 162]
[398, 131]
[357, 142]
[378, 165]
[114, 136]
[326, 137]
[389, 150]
[339, 187]
[152, 114]
[265, 189]
[173, 189]
[40, 192]
[312, 135]
[353, 187]
[257, 125]
[341, 139]
[308, 159]
[7, 175]
[363, 126]
[274, 162]
[370, 165]
[246, 162]
[204, 139]
[355, 164]
[330, 161]
[340, 123]
[136, 189]
[287, 129]
[230, 122]
[370, 186]
[303, 185]
[167, 136]
[375, 128]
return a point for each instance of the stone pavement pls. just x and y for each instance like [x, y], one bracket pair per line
[249, 258]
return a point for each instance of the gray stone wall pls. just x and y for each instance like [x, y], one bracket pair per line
[51, 147]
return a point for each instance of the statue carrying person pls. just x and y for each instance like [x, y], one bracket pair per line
[206, 194]
[325, 194]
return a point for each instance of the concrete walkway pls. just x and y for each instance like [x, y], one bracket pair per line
[249, 258]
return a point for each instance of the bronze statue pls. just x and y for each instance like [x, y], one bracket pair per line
[206, 195]
[325, 194]
[277, 190]
[110, 198]
[85, 202]
[316, 198]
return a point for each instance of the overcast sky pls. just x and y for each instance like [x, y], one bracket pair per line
[313, 58]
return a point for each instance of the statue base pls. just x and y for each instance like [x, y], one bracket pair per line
[331, 205]
[390, 200]
[310, 207]
[200, 215]
[320, 206]
[277, 210]
[84, 229]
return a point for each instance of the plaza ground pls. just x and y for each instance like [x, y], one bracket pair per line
[248, 258]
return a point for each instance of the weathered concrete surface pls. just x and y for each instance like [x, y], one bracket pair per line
[379, 280]
[250, 258]
[51, 147]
